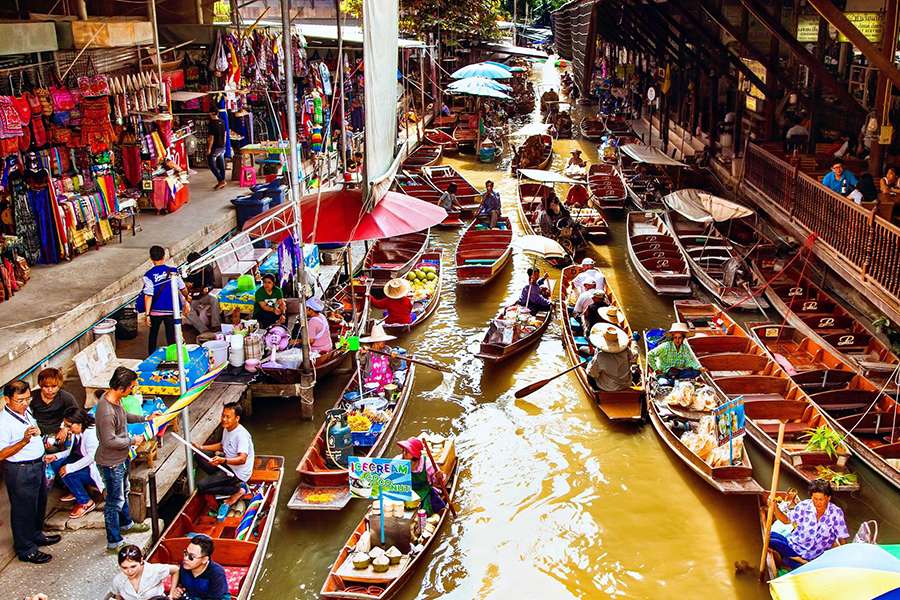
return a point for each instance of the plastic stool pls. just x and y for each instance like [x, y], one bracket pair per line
[248, 176]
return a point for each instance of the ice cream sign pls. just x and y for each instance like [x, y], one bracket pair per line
[371, 478]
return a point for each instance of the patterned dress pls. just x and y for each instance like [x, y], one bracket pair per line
[379, 371]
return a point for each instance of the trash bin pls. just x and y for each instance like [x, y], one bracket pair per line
[126, 323]
[106, 327]
[249, 207]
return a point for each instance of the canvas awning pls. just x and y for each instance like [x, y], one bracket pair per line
[703, 207]
[513, 50]
[649, 155]
[547, 176]
[531, 129]
[350, 34]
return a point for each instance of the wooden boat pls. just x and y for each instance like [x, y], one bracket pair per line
[854, 406]
[646, 183]
[324, 486]
[241, 556]
[546, 145]
[482, 252]
[437, 137]
[626, 405]
[591, 219]
[592, 128]
[564, 125]
[393, 257]
[656, 257]
[618, 125]
[532, 196]
[468, 196]
[494, 350]
[607, 187]
[549, 100]
[424, 302]
[418, 186]
[739, 366]
[445, 121]
[465, 136]
[423, 156]
[714, 262]
[820, 316]
[347, 583]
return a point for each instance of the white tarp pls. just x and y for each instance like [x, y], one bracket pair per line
[649, 155]
[531, 129]
[380, 33]
[703, 207]
[547, 176]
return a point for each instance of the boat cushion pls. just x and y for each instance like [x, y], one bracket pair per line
[235, 577]
[480, 261]
[580, 341]
[785, 364]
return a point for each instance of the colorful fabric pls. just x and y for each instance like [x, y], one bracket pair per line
[667, 355]
[811, 537]
[379, 371]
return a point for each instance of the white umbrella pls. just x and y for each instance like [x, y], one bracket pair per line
[468, 82]
[540, 246]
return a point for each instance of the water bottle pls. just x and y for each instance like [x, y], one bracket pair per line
[49, 475]
[423, 519]
[843, 187]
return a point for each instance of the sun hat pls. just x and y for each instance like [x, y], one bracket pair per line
[575, 151]
[396, 288]
[612, 314]
[587, 261]
[413, 445]
[315, 304]
[679, 328]
[608, 338]
[377, 335]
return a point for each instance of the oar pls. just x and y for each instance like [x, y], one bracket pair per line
[533, 387]
[200, 453]
[442, 482]
[771, 513]
[417, 361]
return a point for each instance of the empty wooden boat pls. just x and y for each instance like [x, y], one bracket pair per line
[425, 293]
[445, 121]
[468, 196]
[423, 156]
[437, 137]
[393, 257]
[592, 128]
[482, 252]
[324, 484]
[240, 541]
[625, 405]
[656, 257]
[607, 187]
[544, 156]
[617, 125]
[465, 137]
[502, 342]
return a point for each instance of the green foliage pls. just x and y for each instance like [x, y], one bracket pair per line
[473, 18]
[834, 477]
[824, 439]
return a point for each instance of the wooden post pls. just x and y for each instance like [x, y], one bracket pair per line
[776, 470]
[817, 87]
[882, 102]
[771, 75]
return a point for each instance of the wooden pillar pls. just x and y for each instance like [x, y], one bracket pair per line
[883, 91]
[814, 120]
[740, 98]
[771, 125]
[713, 122]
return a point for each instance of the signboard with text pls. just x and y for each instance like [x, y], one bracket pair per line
[869, 24]
[373, 477]
[729, 418]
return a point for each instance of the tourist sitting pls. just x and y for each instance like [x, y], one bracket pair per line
[269, 306]
[586, 298]
[865, 190]
[674, 358]
[550, 217]
[535, 295]
[598, 312]
[317, 326]
[77, 467]
[888, 183]
[425, 478]
[396, 302]
[610, 369]
[235, 452]
[818, 526]
[138, 579]
[205, 314]
[588, 272]
[490, 204]
[199, 578]
[839, 179]
[377, 360]
[448, 200]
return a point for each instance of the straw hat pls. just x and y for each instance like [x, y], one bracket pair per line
[679, 328]
[396, 288]
[377, 335]
[612, 314]
[576, 151]
[608, 338]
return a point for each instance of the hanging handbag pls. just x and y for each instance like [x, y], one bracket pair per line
[62, 99]
[43, 96]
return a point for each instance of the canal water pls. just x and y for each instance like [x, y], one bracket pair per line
[555, 501]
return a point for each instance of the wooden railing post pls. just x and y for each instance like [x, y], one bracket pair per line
[870, 243]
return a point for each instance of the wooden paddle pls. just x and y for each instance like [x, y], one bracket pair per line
[418, 361]
[442, 482]
[533, 387]
[771, 512]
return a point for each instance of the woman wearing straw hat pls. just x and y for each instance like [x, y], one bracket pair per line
[377, 368]
[598, 312]
[397, 304]
[610, 369]
[317, 324]
[674, 357]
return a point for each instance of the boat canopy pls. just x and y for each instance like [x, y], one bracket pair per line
[531, 129]
[702, 207]
[647, 154]
[547, 176]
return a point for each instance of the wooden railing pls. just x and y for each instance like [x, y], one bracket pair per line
[869, 243]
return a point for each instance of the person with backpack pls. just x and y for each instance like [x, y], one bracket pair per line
[157, 297]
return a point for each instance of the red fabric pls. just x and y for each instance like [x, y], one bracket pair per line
[131, 163]
[577, 196]
[23, 108]
[175, 79]
[399, 310]
[235, 576]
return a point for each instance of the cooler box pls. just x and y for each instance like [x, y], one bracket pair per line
[164, 382]
[230, 298]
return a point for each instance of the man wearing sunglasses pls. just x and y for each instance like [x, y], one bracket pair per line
[200, 578]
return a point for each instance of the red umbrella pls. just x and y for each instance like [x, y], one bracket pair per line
[333, 216]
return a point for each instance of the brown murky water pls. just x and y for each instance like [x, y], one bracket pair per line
[555, 501]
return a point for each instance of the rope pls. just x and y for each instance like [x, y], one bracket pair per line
[895, 376]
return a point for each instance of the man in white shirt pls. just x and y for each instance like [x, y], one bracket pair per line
[588, 273]
[235, 452]
[585, 298]
[22, 449]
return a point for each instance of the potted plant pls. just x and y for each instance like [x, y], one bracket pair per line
[827, 440]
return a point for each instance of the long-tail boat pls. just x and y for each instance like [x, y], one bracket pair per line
[426, 297]
[240, 540]
[438, 137]
[625, 405]
[423, 156]
[531, 196]
[323, 482]
[525, 333]
[607, 187]
[739, 366]
[855, 406]
[465, 136]
[592, 128]
[546, 157]
[468, 196]
[482, 252]
[656, 257]
[393, 257]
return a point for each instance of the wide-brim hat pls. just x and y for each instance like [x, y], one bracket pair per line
[377, 335]
[587, 261]
[413, 445]
[396, 288]
[612, 314]
[681, 328]
[608, 338]
[575, 151]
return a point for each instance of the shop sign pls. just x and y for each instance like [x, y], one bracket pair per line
[868, 23]
[730, 420]
[222, 11]
[375, 478]
[808, 28]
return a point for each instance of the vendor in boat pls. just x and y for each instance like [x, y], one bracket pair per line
[611, 368]
[490, 204]
[551, 216]
[269, 307]
[818, 526]
[588, 272]
[377, 360]
[426, 480]
[448, 200]
[535, 295]
[396, 302]
[674, 358]
[317, 325]
[235, 452]
[576, 161]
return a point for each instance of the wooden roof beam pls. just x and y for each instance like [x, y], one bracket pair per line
[718, 63]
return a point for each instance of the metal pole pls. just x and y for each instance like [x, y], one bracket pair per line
[340, 80]
[162, 86]
[199, 5]
[182, 381]
[154, 509]
[306, 373]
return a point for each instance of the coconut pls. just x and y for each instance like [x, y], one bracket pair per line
[365, 543]
[376, 552]
[360, 560]
[394, 555]
[381, 564]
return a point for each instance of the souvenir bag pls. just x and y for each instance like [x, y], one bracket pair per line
[867, 533]
[43, 96]
[62, 99]
[37, 130]
[22, 270]
[34, 103]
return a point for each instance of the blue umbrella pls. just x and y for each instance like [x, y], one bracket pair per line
[470, 82]
[476, 86]
[482, 70]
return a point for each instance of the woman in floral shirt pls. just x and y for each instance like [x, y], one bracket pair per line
[818, 526]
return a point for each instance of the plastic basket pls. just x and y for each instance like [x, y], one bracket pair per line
[367, 438]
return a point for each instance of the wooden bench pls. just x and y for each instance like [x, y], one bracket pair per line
[95, 365]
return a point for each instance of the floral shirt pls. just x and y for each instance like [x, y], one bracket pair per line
[812, 537]
[379, 371]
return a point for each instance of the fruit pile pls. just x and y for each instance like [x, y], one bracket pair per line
[358, 422]
[424, 282]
